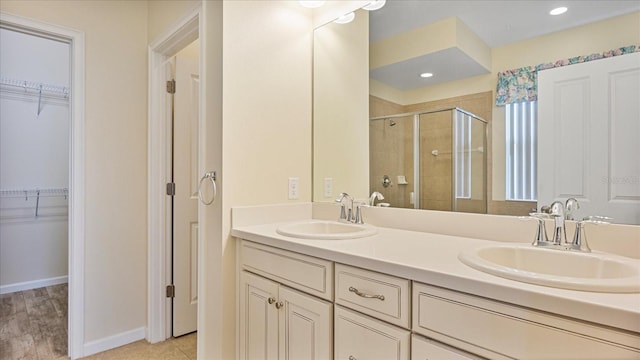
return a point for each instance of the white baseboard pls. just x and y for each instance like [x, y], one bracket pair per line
[114, 341]
[28, 285]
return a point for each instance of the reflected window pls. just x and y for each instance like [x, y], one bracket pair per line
[521, 150]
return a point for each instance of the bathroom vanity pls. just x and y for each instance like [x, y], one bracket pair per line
[402, 294]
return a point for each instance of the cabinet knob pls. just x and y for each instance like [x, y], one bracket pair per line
[271, 300]
[279, 304]
[351, 357]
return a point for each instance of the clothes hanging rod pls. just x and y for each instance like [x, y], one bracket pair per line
[30, 85]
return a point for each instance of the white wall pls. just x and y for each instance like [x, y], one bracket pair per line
[34, 154]
[115, 155]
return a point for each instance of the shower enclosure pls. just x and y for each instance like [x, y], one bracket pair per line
[433, 160]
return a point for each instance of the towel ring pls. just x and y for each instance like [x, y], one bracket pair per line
[211, 176]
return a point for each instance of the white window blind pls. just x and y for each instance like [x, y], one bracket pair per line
[462, 158]
[521, 151]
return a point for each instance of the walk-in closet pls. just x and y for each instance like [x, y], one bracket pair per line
[34, 194]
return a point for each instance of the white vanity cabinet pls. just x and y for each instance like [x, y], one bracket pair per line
[428, 349]
[499, 330]
[277, 321]
[287, 311]
[360, 337]
[382, 297]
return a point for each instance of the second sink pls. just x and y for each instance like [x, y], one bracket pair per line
[595, 272]
[325, 230]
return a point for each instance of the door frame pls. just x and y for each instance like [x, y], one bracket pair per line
[75, 38]
[179, 35]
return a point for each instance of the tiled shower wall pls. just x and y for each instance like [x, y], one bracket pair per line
[400, 153]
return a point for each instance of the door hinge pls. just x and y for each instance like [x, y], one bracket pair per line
[171, 189]
[171, 291]
[171, 86]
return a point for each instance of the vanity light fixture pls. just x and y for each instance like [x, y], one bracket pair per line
[345, 19]
[558, 11]
[426, 75]
[375, 5]
[311, 4]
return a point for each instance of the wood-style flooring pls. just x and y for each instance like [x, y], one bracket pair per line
[33, 325]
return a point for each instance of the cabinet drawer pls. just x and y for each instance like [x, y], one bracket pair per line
[305, 273]
[360, 337]
[381, 296]
[427, 349]
[498, 331]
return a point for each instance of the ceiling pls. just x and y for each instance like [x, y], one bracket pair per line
[497, 23]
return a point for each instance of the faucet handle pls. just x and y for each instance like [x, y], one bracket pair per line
[541, 232]
[580, 236]
[343, 213]
[358, 218]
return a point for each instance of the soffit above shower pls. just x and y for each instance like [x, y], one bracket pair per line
[447, 48]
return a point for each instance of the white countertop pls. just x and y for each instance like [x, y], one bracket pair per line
[433, 259]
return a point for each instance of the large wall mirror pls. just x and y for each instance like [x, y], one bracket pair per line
[439, 142]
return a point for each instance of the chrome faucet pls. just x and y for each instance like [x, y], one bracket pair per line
[375, 196]
[346, 211]
[569, 207]
[559, 232]
[560, 213]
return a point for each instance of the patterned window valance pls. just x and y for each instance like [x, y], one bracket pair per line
[521, 84]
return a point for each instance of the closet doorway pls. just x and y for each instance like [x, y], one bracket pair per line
[75, 199]
[35, 120]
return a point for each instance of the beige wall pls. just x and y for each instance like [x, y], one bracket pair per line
[266, 131]
[163, 13]
[340, 108]
[115, 155]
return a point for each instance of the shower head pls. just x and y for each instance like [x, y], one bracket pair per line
[392, 123]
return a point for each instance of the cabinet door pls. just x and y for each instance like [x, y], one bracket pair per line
[426, 349]
[359, 337]
[258, 317]
[305, 326]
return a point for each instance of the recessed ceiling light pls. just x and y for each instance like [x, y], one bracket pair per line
[375, 5]
[311, 4]
[558, 11]
[426, 75]
[345, 19]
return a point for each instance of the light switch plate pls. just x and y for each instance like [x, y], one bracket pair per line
[328, 187]
[294, 183]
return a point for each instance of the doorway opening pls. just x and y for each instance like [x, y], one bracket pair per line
[42, 184]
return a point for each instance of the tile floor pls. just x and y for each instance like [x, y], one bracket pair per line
[33, 325]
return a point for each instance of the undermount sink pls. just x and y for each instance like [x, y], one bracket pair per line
[597, 272]
[326, 230]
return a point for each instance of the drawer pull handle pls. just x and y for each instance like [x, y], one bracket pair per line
[367, 296]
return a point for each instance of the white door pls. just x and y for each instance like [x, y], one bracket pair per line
[589, 137]
[305, 326]
[258, 317]
[185, 201]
